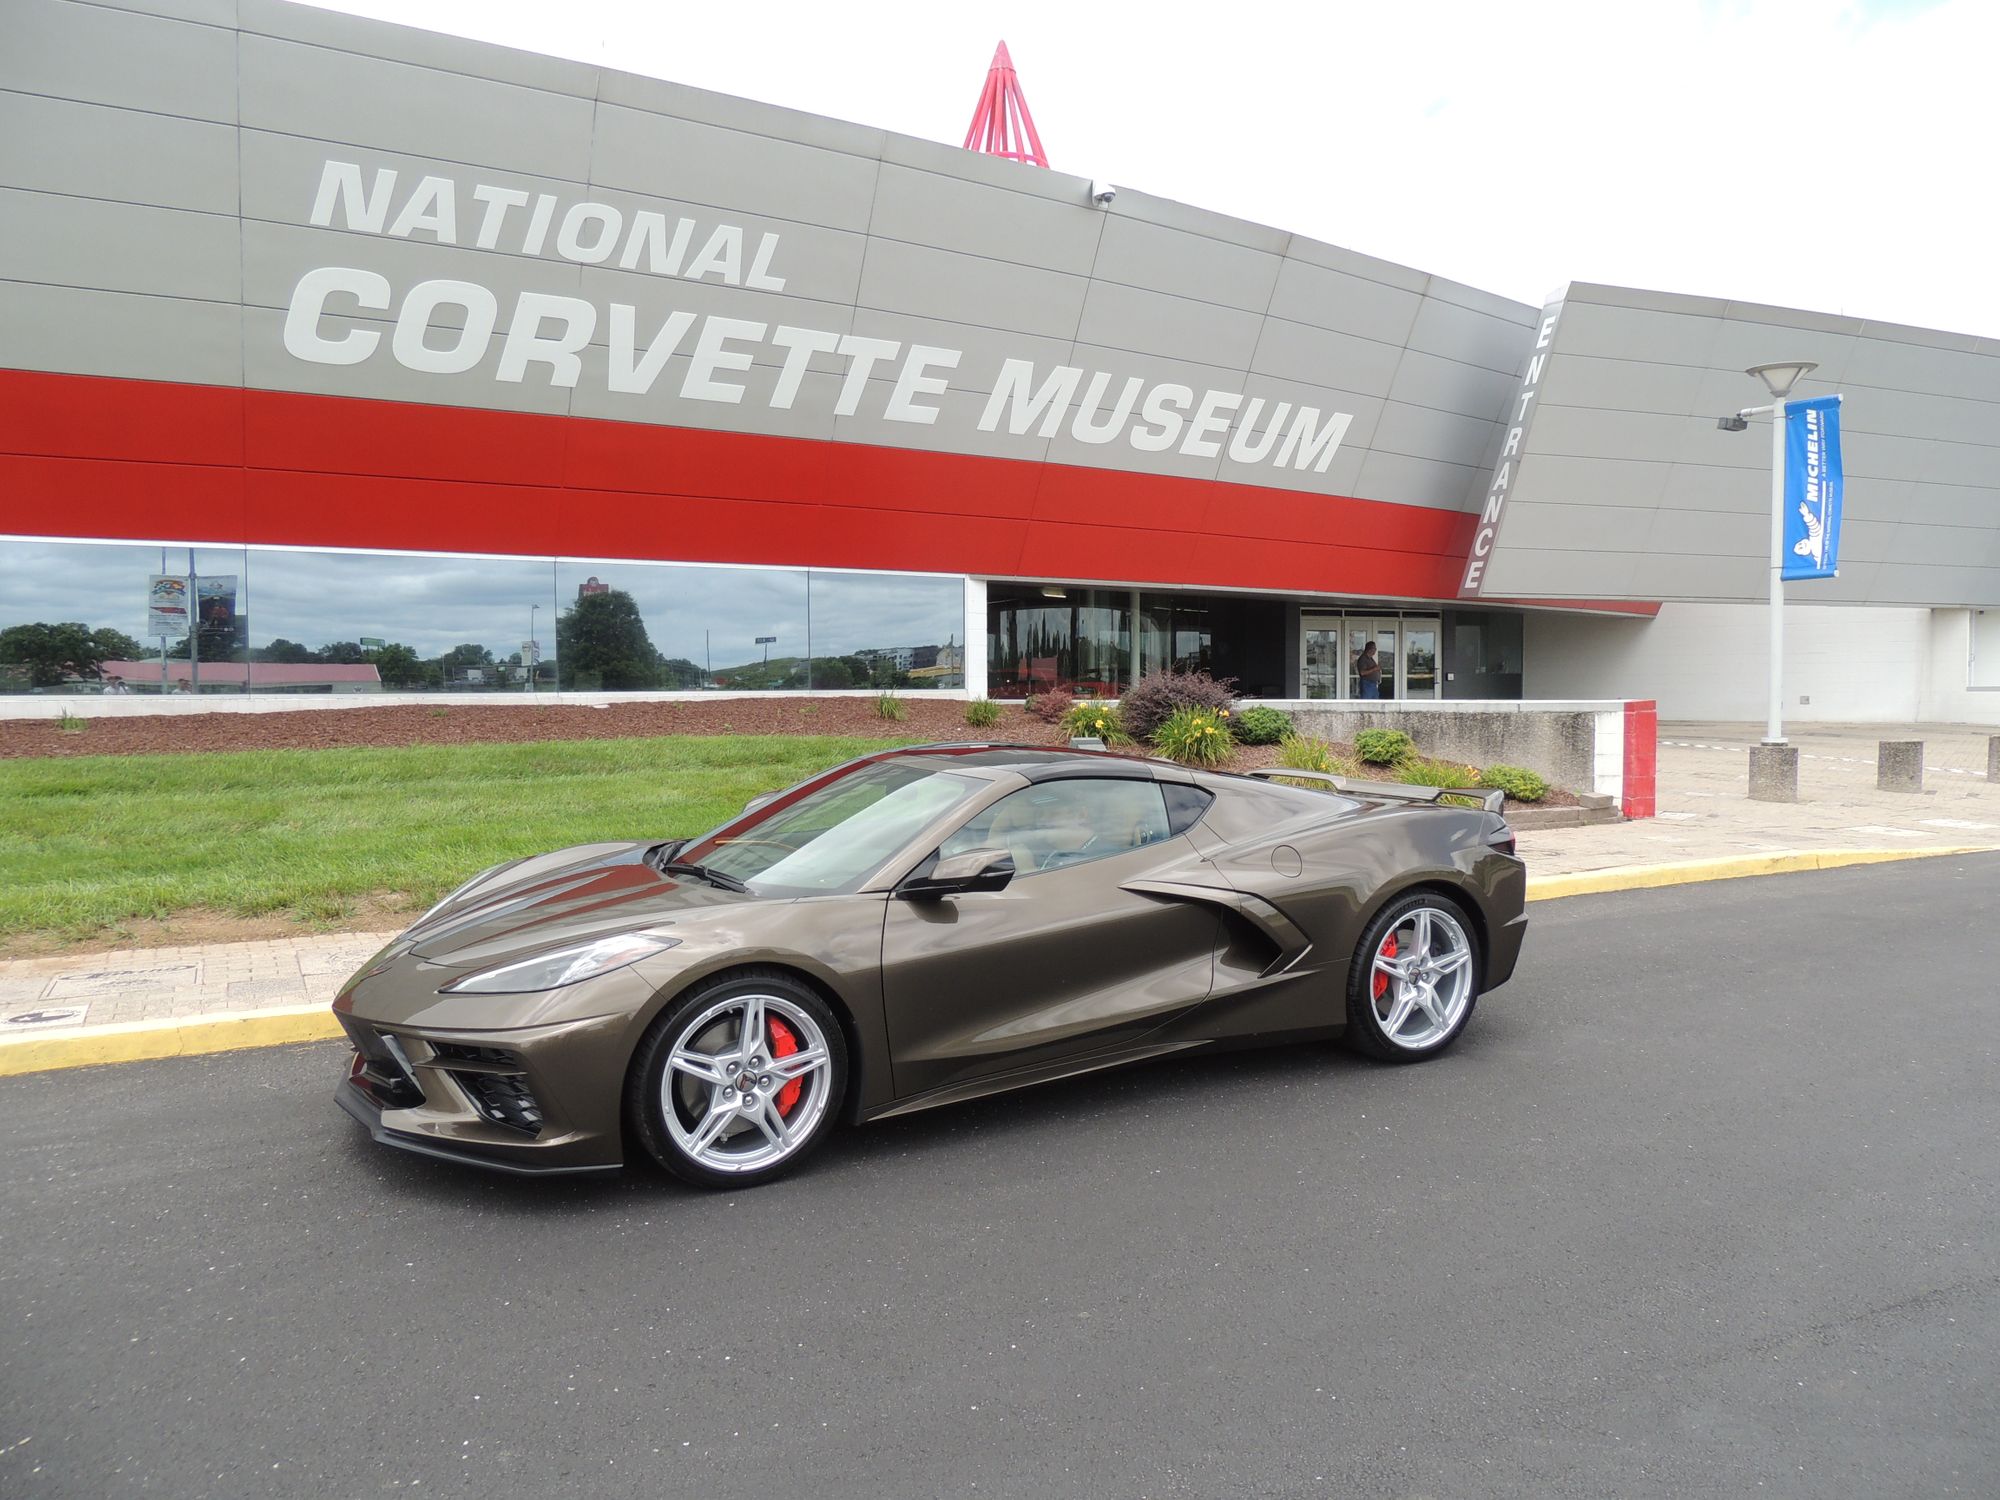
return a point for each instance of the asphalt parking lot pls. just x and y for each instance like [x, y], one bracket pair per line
[1704, 1203]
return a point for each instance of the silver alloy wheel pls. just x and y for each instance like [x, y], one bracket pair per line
[722, 1089]
[1421, 982]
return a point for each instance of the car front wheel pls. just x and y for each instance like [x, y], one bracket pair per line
[739, 1079]
[1414, 978]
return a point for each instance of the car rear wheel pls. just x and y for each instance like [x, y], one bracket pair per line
[738, 1080]
[1414, 978]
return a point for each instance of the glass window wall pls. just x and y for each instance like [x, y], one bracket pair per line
[75, 617]
[1044, 636]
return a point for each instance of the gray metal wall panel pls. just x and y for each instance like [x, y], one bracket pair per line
[1479, 338]
[1184, 265]
[88, 242]
[1919, 430]
[316, 91]
[1146, 322]
[99, 151]
[931, 283]
[275, 256]
[1425, 432]
[1320, 357]
[984, 349]
[929, 208]
[1309, 293]
[99, 56]
[429, 49]
[1410, 479]
[730, 169]
[267, 366]
[1451, 385]
[77, 331]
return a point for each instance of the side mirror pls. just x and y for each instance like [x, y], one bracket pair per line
[974, 870]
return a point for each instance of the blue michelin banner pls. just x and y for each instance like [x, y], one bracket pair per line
[1812, 488]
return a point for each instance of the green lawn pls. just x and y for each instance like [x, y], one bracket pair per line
[91, 842]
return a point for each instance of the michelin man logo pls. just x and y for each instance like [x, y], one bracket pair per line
[1813, 543]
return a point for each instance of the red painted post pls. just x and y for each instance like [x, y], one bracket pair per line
[1642, 758]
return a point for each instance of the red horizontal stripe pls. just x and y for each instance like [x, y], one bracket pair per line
[89, 456]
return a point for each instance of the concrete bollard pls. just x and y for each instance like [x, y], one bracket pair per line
[1774, 773]
[1899, 766]
[1993, 760]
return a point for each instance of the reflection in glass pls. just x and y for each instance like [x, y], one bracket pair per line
[1044, 636]
[345, 622]
[876, 630]
[660, 627]
[82, 618]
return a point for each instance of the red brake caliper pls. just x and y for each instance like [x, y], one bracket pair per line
[784, 1044]
[1381, 979]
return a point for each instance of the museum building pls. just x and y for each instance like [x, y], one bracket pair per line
[422, 342]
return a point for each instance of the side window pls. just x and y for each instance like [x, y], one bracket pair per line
[1058, 823]
[1185, 805]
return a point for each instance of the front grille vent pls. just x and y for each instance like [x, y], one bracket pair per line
[496, 1083]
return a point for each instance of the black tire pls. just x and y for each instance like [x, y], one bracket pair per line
[712, 1010]
[1367, 1032]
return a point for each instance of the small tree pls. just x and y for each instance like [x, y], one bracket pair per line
[602, 636]
[398, 665]
[52, 653]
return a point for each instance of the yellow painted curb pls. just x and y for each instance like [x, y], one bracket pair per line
[182, 1036]
[191, 1036]
[1734, 867]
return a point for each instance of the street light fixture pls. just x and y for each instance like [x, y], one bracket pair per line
[1778, 378]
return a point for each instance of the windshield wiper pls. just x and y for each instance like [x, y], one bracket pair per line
[703, 872]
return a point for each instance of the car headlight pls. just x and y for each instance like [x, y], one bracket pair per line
[551, 971]
[483, 875]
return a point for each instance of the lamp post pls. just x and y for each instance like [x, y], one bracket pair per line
[534, 651]
[1778, 380]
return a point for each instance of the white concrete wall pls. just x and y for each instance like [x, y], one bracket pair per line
[1709, 661]
[1964, 658]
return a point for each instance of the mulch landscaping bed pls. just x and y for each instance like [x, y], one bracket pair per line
[429, 724]
[932, 720]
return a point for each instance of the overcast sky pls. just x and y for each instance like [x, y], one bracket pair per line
[1808, 153]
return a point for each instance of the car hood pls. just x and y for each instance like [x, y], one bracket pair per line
[571, 896]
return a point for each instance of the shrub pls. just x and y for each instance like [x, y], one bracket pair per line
[1195, 736]
[982, 713]
[1050, 707]
[889, 706]
[1384, 747]
[1304, 753]
[1418, 771]
[1517, 782]
[1099, 719]
[70, 723]
[1261, 726]
[1157, 696]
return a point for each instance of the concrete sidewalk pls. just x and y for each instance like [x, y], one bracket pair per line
[204, 992]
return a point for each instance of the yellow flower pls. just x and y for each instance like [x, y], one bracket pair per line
[1225, 713]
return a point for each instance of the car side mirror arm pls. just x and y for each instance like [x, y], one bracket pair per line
[959, 874]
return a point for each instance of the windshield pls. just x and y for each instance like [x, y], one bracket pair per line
[835, 836]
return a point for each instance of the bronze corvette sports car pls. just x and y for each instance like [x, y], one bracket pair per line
[913, 928]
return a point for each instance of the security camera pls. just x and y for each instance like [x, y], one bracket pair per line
[1101, 193]
[1731, 424]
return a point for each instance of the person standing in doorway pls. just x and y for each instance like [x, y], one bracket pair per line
[1369, 670]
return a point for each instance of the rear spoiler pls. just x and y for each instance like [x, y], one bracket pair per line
[1391, 791]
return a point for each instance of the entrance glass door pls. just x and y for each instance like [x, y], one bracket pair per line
[1420, 658]
[1319, 655]
[1382, 635]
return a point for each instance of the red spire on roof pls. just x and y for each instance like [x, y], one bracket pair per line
[1002, 126]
